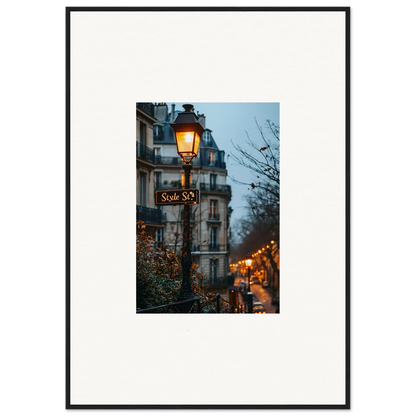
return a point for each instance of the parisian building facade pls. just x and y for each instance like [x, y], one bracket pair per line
[146, 211]
[210, 219]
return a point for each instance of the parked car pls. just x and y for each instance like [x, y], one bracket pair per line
[258, 307]
[266, 284]
[255, 280]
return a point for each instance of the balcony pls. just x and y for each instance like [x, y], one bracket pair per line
[214, 247]
[195, 247]
[144, 152]
[212, 158]
[199, 161]
[148, 215]
[206, 248]
[207, 187]
[174, 160]
[147, 108]
[213, 217]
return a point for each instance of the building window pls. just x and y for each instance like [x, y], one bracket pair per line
[143, 189]
[213, 206]
[212, 182]
[142, 137]
[206, 137]
[211, 158]
[158, 180]
[214, 270]
[158, 153]
[159, 237]
[213, 238]
[157, 133]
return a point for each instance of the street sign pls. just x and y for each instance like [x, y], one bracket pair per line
[178, 197]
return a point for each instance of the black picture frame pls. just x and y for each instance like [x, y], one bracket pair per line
[350, 405]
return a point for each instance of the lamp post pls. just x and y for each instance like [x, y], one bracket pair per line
[188, 132]
[248, 263]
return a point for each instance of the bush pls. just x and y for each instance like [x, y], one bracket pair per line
[159, 276]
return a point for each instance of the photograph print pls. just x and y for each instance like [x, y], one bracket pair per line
[207, 207]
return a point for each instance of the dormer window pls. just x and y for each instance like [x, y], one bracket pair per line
[157, 133]
[206, 137]
[211, 158]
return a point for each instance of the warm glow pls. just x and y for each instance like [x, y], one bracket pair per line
[188, 144]
[183, 179]
[263, 248]
[259, 251]
[185, 140]
[268, 246]
[272, 242]
[249, 262]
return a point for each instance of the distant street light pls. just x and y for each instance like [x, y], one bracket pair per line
[188, 132]
[248, 263]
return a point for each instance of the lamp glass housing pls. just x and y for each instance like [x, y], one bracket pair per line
[188, 144]
[249, 262]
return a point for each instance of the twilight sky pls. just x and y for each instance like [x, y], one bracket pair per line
[231, 121]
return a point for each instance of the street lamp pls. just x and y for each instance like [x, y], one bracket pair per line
[248, 263]
[188, 132]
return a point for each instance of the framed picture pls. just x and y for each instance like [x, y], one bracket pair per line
[219, 101]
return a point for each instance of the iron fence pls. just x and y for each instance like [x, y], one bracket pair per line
[185, 306]
[194, 306]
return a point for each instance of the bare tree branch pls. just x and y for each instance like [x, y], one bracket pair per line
[261, 224]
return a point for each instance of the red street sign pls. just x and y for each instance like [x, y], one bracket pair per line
[178, 197]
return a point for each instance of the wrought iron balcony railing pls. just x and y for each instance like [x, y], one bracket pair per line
[148, 108]
[174, 160]
[195, 247]
[171, 186]
[148, 215]
[213, 217]
[212, 158]
[144, 152]
[208, 187]
[204, 247]
[214, 247]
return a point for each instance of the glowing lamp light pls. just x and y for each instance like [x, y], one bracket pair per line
[188, 137]
[188, 132]
[272, 242]
[248, 262]
[259, 251]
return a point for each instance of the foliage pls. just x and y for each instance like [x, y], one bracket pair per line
[159, 275]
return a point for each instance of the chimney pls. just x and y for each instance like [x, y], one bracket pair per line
[161, 111]
[172, 114]
[202, 120]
